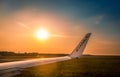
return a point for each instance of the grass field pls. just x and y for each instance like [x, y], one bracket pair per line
[86, 66]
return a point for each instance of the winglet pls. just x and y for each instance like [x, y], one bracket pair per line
[77, 52]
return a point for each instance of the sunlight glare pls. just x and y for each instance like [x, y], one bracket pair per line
[42, 34]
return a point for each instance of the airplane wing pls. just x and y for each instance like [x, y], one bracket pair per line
[9, 69]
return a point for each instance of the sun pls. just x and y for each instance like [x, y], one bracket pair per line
[42, 34]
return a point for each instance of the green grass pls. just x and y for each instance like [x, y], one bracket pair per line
[91, 66]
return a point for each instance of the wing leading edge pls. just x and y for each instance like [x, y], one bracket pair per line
[9, 69]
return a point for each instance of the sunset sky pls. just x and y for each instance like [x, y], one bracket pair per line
[66, 21]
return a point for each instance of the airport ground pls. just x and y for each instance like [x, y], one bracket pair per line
[86, 66]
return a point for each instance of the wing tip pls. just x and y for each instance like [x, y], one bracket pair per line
[77, 52]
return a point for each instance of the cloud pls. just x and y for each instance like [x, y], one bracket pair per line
[98, 19]
[22, 25]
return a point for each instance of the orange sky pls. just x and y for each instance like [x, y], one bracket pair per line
[19, 35]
